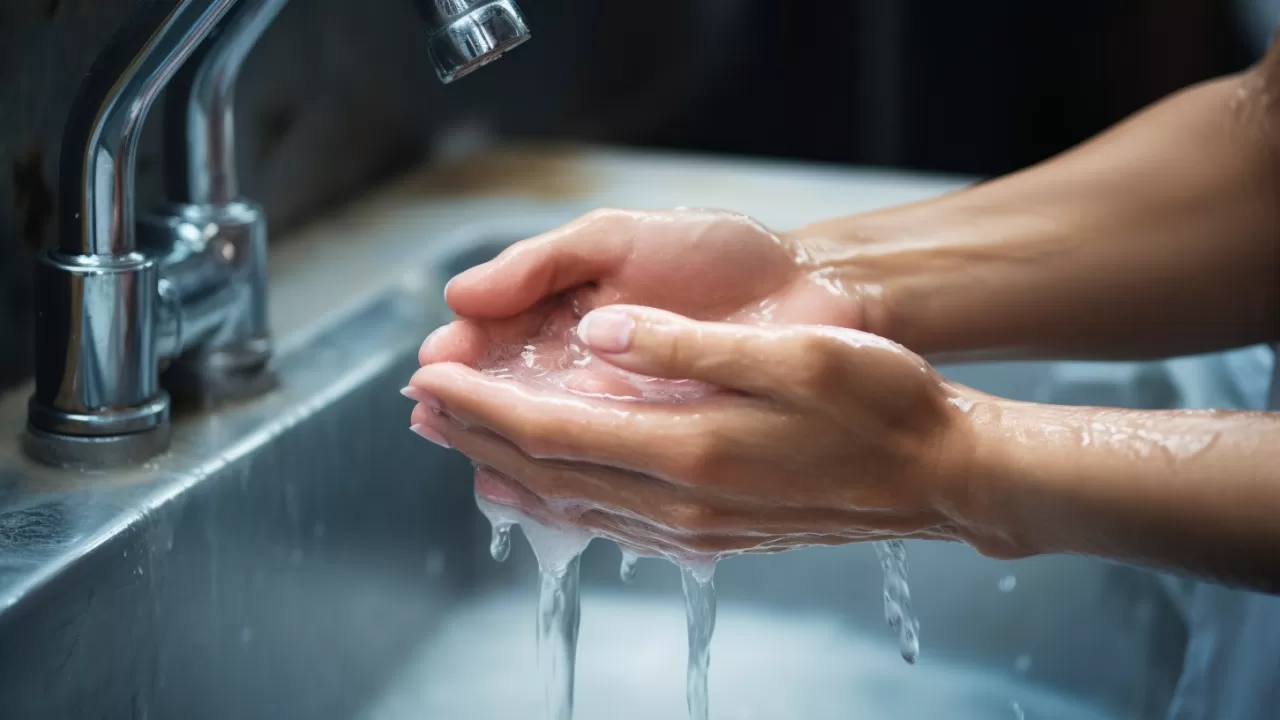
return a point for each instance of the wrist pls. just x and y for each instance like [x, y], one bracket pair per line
[990, 487]
[947, 278]
[896, 268]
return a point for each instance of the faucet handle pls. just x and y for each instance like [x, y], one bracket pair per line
[469, 34]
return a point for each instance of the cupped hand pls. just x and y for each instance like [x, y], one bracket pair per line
[703, 264]
[819, 436]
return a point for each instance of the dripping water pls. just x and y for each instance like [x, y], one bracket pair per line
[628, 570]
[700, 614]
[500, 543]
[559, 613]
[897, 598]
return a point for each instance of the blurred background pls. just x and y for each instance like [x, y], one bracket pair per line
[340, 95]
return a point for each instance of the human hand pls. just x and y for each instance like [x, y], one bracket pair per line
[703, 264]
[819, 436]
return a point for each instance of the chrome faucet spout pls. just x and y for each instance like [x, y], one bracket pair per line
[200, 127]
[97, 175]
[186, 284]
[466, 35]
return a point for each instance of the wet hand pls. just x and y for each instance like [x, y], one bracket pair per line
[818, 435]
[703, 264]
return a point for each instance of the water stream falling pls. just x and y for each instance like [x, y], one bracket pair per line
[700, 614]
[559, 550]
[559, 612]
[897, 598]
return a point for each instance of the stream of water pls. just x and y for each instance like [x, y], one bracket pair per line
[558, 552]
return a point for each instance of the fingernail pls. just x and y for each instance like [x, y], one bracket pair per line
[428, 434]
[607, 331]
[447, 286]
[419, 396]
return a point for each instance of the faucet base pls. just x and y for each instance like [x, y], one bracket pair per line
[97, 452]
[206, 380]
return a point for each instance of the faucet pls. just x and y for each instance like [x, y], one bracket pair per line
[184, 287]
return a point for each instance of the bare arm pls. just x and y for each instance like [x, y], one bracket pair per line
[1159, 237]
[1197, 492]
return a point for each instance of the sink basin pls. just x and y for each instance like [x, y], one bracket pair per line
[303, 555]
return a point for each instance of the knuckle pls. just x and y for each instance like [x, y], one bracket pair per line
[818, 363]
[677, 352]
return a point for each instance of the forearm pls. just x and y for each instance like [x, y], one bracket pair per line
[1197, 492]
[1159, 237]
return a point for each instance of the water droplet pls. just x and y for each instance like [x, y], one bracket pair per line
[1008, 583]
[500, 542]
[628, 570]
[246, 635]
[1023, 663]
[1017, 711]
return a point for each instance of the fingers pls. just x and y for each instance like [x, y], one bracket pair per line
[466, 341]
[654, 439]
[533, 270]
[642, 513]
[460, 341]
[760, 360]
[669, 511]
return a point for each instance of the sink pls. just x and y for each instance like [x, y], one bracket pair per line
[303, 555]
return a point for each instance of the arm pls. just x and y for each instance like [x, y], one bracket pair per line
[1197, 492]
[1159, 237]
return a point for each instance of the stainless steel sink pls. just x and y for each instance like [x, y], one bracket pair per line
[304, 556]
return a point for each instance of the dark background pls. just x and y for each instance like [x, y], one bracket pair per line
[340, 94]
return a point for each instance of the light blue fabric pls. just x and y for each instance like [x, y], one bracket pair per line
[1259, 20]
[1232, 666]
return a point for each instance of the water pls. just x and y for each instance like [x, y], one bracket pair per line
[555, 360]
[897, 598]
[500, 544]
[798, 664]
[627, 572]
[700, 617]
[559, 613]
[559, 607]
[558, 551]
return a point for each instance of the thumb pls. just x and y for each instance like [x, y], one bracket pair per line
[663, 344]
[532, 270]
